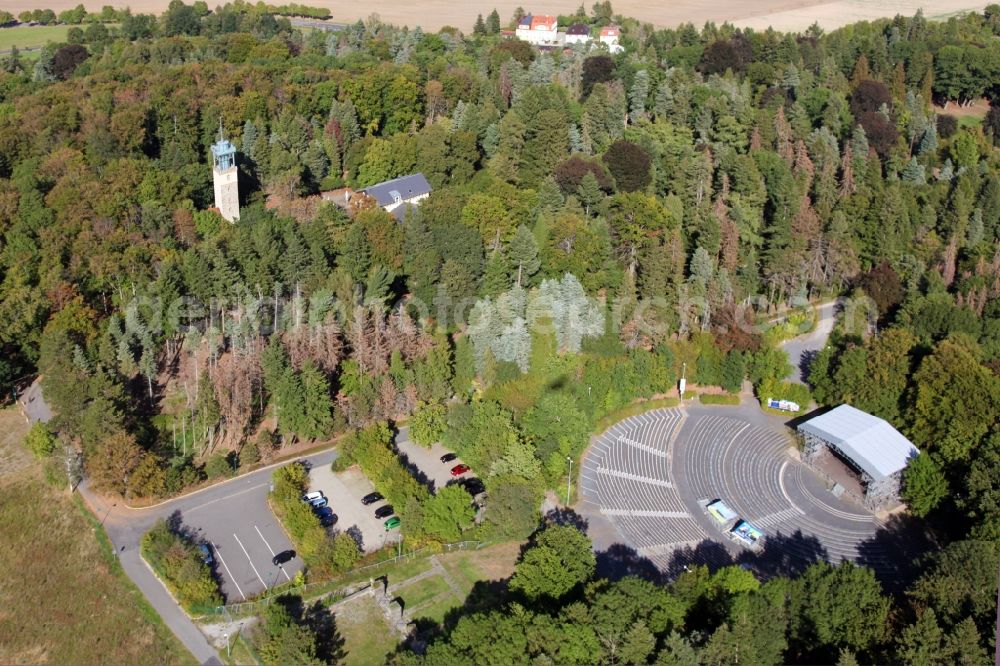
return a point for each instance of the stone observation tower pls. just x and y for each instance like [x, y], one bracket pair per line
[226, 177]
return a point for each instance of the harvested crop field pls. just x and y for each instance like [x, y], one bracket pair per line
[433, 14]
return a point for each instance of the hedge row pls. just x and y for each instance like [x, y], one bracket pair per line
[719, 399]
[323, 553]
[371, 448]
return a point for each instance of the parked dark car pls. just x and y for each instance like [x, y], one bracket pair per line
[282, 557]
[448, 457]
[327, 518]
[459, 470]
[206, 553]
[384, 511]
[371, 498]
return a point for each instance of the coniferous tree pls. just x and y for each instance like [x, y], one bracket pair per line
[523, 253]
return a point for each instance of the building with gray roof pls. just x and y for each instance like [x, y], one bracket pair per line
[403, 190]
[870, 444]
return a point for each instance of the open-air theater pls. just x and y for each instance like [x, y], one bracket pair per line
[870, 446]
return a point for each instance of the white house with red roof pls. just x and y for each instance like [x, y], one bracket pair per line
[539, 30]
[610, 35]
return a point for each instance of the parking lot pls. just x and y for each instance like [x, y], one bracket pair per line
[427, 461]
[245, 536]
[344, 491]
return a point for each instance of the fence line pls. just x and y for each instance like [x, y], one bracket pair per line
[245, 607]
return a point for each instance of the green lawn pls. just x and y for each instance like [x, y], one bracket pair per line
[437, 610]
[367, 636]
[36, 35]
[54, 553]
[423, 590]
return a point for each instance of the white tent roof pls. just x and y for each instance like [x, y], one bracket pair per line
[874, 445]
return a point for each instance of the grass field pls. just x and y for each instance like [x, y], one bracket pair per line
[27, 36]
[367, 635]
[432, 597]
[64, 599]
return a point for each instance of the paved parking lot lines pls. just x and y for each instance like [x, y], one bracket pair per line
[230, 573]
[227, 498]
[249, 559]
[287, 577]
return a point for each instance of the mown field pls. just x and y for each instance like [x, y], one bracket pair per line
[30, 36]
[64, 600]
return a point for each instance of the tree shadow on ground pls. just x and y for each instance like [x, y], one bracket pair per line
[780, 555]
[329, 642]
[710, 553]
[485, 595]
[355, 533]
[784, 555]
[415, 471]
[566, 516]
[894, 551]
[619, 561]
[805, 363]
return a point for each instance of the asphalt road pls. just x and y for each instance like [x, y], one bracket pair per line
[233, 515]
[803, 348]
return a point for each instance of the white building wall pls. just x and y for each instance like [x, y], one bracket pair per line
[412, 200]
[227, 193]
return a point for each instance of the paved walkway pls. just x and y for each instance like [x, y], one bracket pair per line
[803, 348]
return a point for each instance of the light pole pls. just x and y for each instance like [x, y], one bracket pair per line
[569, 479]
[229, 654]
[683, 383]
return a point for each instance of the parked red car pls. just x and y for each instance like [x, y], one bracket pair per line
[459, 470]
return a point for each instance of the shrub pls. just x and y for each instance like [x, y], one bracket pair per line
[719, 399]
[250, 453]
[219, 465]
[178, 562]
[40, 440]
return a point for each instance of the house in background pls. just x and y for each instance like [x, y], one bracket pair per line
[394, 196]
[539, 30]
[578, 33]
[610, 35]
